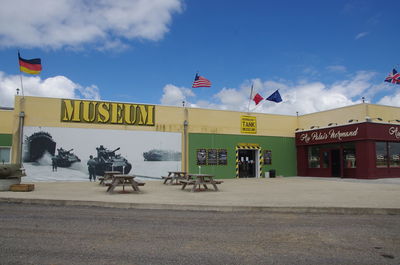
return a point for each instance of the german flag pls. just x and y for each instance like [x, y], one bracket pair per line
[32, 66]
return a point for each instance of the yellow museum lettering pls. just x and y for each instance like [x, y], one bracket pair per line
[70, 110]
[89, 111]
[103, 112]
[116, 113]
[107, 112]
[145, 115]
[129, 114]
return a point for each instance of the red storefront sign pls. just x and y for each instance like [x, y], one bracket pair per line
[327, 147]
[351, 132]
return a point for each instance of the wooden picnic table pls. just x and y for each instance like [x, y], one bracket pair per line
[124, 180]
[108, 176]
[198, 180]
[174, 177]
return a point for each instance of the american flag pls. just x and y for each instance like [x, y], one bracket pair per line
[200, 81]
[393, 77]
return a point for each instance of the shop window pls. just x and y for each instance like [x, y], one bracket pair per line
[314, 157]
[325, 159]
[5, 155]
[349, 156]
[394, 154]
[381, 154]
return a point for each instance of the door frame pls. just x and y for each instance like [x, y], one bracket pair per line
[257, 158]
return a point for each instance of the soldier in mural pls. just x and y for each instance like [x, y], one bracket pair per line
[92, 168]
[54, 163]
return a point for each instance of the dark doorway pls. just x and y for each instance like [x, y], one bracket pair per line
[336, 165]
[247, 162]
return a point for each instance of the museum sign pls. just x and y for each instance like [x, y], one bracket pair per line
[101, 112]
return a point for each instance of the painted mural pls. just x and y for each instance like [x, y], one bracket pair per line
[61, 154]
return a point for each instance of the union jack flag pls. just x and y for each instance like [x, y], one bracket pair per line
[393, 77]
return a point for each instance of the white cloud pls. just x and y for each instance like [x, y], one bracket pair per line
[392, 100]
[174, 96]
[72, 23]
[361, 35]
[58, 86]
[357, 85]
[303, 97]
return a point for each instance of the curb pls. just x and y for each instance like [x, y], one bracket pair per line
[188, 207]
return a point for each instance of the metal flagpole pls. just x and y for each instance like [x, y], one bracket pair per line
[22, 86]
[20, 76]
[251, 93]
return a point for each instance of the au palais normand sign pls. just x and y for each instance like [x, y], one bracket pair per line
[328, 135]
[107, 112]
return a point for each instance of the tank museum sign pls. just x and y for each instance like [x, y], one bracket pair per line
[107, 112]
[248, 124]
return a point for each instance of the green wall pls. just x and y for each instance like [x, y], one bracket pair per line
[283, 153]
[5, 139]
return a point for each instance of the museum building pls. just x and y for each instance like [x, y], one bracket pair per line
[358, 141]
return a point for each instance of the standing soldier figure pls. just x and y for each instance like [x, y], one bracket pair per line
[92, 168]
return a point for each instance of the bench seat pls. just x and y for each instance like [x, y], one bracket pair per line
[188, 182]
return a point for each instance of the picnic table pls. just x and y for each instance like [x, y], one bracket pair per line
[124, 180]
[174, 177]
[108, 176]
[198, 180]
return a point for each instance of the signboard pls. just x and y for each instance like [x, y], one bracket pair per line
[212, 156]
[267, 155]
[248, 124]
[84, 111]
[351, 132]
[201, 156]
[222, 157]
[395, 132]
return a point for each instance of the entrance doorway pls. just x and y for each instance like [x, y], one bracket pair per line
[248, 163]
[336, 163]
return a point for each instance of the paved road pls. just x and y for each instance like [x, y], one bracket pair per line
[36, 234]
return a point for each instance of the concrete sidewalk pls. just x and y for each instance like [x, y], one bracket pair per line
[288, 194]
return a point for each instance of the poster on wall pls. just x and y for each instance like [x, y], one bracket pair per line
[201, 157]
[267, 157]
[222, 157]
[212, 157]
[61, 154]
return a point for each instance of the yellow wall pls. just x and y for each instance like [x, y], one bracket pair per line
[339, 116]
[228, 122]
[46, 112]
[387, 113]
[342, 115]
[6, 121]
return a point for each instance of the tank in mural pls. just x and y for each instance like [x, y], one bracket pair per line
[65, 158]
[37, 145]
[108, 160]
[161, 155]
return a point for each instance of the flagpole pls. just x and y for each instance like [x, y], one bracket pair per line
[251, 93]
[22, 86]
[20, 76]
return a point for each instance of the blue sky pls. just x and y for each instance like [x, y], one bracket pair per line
[319, 54]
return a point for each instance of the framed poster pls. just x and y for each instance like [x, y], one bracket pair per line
[212, 157]
[201, 156]
[222, 157]
[267, 157]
